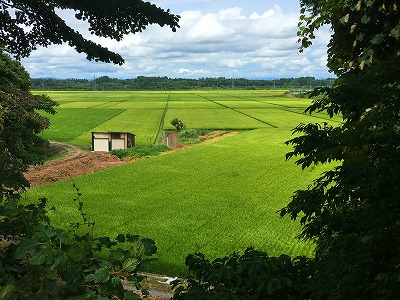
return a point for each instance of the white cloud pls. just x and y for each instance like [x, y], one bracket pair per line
[232, 63]
[183, 71]
[210, 43]
[268, 13]
[233, 13]
[209, 28]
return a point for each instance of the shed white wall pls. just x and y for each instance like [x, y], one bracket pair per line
[100, 144]
[117, 144]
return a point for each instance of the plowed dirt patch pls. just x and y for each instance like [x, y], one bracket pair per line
[73, 165]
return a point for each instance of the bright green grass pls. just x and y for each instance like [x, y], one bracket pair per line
[80, 113]
[94, 96]
[203, 104]
[241, 94]
[142, 122]
[222, 118]
[191, 96]
[245, 104]
[215, 198]
[141, 113]
[68, 124]
[79, 104]
[285, 118]
[289, 103]
[140, 105]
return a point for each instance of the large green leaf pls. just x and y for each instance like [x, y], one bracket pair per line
[101, 275]
[129, 295]
[6, 292]
[150, 246]
[24, 248]
[130, 264]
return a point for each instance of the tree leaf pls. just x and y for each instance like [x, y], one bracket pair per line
[101, 275]
[86, 296]
[130, 264]
[6, 292]
[365, 19]
[132, 238]
[120, 238]
[44, 255]
[75, 254]
[149, 246]
[116, 281]
[24, 248]
[129, 295]
[377, 39]
[117, 254]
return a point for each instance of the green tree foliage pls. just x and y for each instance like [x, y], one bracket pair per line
[168, 84]
[20, 122]
[178, 124]
[352, 211]
[252, 275]
[27, 24]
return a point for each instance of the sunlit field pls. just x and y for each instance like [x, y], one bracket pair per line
[141, 112]
[214, 198]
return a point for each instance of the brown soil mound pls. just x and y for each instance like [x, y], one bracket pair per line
[77, 162]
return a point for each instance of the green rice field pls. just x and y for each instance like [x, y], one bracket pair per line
[214, 198]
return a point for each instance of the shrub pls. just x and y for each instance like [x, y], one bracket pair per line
[178, 124]
[193, 133]
[140, 151]
[253, 275]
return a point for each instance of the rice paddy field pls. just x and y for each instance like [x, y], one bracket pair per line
[214, 198]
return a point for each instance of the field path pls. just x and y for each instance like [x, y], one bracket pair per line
[71, 151]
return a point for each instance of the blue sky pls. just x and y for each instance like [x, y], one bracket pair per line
[217, 38]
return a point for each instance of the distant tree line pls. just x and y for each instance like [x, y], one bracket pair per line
[167, 84]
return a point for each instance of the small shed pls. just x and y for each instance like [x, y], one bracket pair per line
[107, 141]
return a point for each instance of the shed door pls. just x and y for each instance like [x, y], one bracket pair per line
[100, 145]
[117, 144]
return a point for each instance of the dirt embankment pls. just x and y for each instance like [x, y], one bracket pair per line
[76, 162]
